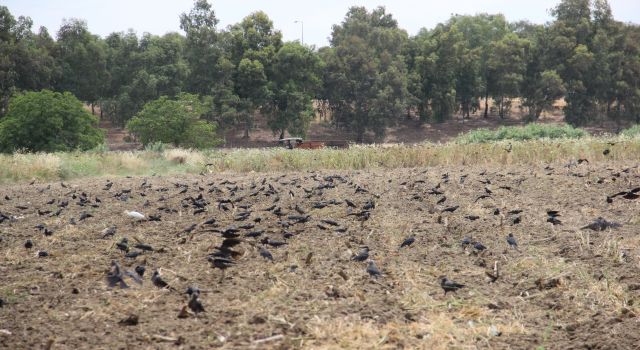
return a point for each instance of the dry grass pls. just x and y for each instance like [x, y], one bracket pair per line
[62, 166]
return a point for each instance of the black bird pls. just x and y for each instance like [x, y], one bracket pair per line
[466, 241]
[194, 303]
[123, 244]
[221, 263]
[448, 285]
[28, 244]
[362, 255]
[115, 276]
[369, 205]
[600, 224]
[552, 217]
[272, 242]
[479, 246]
[144, 247]
[266, 254]
[157, 280]
[451, 209]
[408, 241]
[109, 231]
[140, 270]
[372, 269]
[512, 241]
[84, 215]
[134, 254]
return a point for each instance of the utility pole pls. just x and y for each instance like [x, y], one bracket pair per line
[302, 26]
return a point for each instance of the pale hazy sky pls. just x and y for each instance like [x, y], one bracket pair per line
[161, 16]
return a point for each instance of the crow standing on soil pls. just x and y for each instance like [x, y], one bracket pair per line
[512, 241]
[115, 276]
[194, 300]
[408, 241]
[449, 285]
[552, 217]
[266, 254]
[158, 281]
[362, 255]
[372, 269]
[600, 224]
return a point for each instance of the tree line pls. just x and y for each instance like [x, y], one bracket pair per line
[370, 76]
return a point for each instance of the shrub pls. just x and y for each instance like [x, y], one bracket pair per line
[633, 131]
[48, 121]
[174, 121]
[521, 133]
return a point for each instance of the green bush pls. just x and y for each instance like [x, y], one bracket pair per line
[157, 147]
[521, 133]
[48, 121]
[174, 122]
[633, 131]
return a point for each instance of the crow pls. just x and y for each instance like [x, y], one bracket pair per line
[109, 231]
[408, 241]
[140, 270]
[600, 224]
[28, 244]
[372, 269]
[221, 263]
[552, 217]
[362, 255]
[84, 215]
[479, 246]
[123, 245]
[512, 241]
[266, 254]
[448, 285]
[157, 280]
[115, 277]
[194, 303]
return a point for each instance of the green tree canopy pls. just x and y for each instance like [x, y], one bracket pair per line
[365, 79]
[48, 121]
[294, 83]
[176, 121]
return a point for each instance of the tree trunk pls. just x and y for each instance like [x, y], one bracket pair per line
[93, 110]
[281, 134]
[486, 104]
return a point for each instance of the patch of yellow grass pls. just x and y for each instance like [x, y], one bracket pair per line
[20, 167]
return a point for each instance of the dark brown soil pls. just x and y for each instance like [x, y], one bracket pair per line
[564, 288]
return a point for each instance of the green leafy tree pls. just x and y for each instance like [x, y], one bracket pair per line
[365, 79]
[176, 121]
[203, 51]
[506, 69]
[252, 45]
[82, 59]
[294, 83]
[48, 121]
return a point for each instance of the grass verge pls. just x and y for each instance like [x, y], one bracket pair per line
[531, 131]
[63, 166]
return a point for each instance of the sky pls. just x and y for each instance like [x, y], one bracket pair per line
[317, 17]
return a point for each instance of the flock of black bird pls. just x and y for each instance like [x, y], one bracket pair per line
[289, 206]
